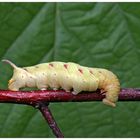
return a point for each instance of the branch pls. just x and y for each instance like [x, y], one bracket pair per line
[43, 107]
[40, 99]
[34, 97]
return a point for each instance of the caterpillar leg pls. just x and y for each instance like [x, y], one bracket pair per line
[102, 91]
[55, 88]
[43, 88]
[67, 88]
[14, 89]
[41, 85]
[14, 85]
[107, 102]
[75, 92]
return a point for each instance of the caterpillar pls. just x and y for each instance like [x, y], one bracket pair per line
[68, 76]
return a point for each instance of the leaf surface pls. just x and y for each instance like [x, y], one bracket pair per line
[92, 34]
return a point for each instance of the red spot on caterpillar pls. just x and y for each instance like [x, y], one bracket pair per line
[91, 71]
[80, 70]
[25, 69]
[100, 72]
[66, 66]
[51, 65]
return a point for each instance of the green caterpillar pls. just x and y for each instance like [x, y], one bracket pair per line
[69, 76]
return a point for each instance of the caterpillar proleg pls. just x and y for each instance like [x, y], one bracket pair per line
[68, 76]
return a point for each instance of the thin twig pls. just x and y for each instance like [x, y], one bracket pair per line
[44, 109]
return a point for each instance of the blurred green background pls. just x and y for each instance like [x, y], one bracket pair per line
[103, 35]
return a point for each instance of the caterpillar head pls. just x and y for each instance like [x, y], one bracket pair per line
[20, 77]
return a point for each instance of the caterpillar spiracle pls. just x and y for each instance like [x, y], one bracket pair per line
[68, 76]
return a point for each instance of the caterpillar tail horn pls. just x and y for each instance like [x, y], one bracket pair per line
[9, 62]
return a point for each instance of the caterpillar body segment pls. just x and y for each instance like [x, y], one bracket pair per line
[110, 85]
[68, 76]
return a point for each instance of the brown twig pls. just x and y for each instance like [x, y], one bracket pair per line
[40, 100]
[44, 109]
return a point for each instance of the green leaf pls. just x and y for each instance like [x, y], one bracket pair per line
[92, 34]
